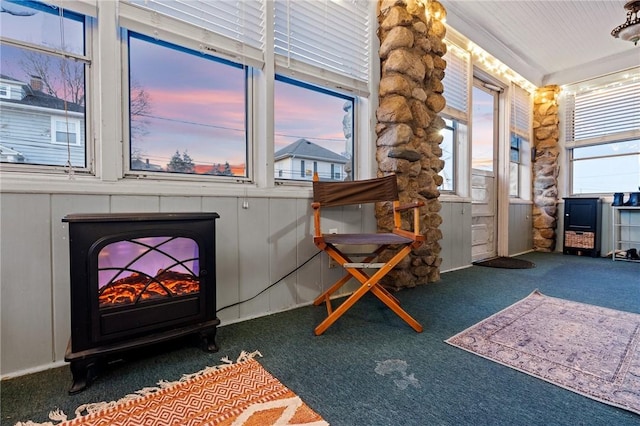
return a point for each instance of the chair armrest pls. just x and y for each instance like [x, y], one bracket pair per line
[397, 209]
[409, 206]
[316, 219]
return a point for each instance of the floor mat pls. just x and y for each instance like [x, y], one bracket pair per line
[506, 263]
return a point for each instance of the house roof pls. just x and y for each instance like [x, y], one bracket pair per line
[5, 77]
[303, 148]
[40, 99]
[138, 164]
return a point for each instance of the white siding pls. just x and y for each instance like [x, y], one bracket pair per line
[29, 132]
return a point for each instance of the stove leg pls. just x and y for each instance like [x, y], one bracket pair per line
[83, 371]
[208, 340]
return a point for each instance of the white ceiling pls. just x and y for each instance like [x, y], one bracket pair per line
[547, 41]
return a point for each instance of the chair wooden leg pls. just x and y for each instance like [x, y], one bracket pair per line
[335, 287]
[344, 306]
[341, 259]
[367, 283]
[389, 294]
[395, 307]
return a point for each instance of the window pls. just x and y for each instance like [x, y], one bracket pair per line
[448, 146]
[603, 134]
[191, 117]
[42, 93]
[5, 91]
[455, 135]
[514, 165]
[315, 125]
[322, 51]
[194, 86]
[65, 131]
[607, 168]
[514, 149]
[483, 115]
[519, 180]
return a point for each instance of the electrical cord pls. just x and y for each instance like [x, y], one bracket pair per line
[269, 286]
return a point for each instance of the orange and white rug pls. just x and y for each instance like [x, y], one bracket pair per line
[241, 393]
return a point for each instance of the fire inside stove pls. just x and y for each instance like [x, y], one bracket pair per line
[147, 269]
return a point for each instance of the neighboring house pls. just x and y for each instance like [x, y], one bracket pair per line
[37, 128]
[139, 164]
[302, 158]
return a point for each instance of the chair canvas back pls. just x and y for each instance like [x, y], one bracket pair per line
[355, 192]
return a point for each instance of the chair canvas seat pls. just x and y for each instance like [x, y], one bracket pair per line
[363, 239]
[384, 189]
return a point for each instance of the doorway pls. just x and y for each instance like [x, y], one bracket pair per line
[484, 145]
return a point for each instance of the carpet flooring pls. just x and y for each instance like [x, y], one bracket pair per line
[587, 349]
[370, 368]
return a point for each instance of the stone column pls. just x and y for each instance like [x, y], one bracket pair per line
[408, 138]
[545, 168]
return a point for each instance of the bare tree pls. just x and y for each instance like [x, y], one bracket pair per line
[61, 77]
[139, 109]
[64, 78]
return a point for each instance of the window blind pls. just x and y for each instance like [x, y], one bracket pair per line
[326, 39]
[603, 112]
[456, 80]
[520, 111]
[234, 26]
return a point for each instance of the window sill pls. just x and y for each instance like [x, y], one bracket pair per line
[30, 183]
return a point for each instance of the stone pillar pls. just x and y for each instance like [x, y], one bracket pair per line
[408, 138]
[545, 168]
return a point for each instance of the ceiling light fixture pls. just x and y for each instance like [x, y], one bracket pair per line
[630, 30]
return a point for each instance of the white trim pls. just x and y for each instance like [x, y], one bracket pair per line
[83, 7]
[34, 183]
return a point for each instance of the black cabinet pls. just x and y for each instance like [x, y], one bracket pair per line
[582, 226]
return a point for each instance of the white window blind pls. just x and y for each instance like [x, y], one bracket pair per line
[520, 111]
[325, 39]
[456, 81]
[603, 112]
[234, 27]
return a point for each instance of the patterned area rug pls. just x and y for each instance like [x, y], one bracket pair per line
[589, 350]
[241, 393]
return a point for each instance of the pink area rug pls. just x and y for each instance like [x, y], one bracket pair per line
[587, 349]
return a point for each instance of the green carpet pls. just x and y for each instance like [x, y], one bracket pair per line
[370, 368]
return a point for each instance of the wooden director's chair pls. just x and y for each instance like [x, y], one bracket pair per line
[384, 189]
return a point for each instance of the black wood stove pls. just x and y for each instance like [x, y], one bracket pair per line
[138, 280]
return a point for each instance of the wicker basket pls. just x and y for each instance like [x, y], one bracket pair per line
[579, 239]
